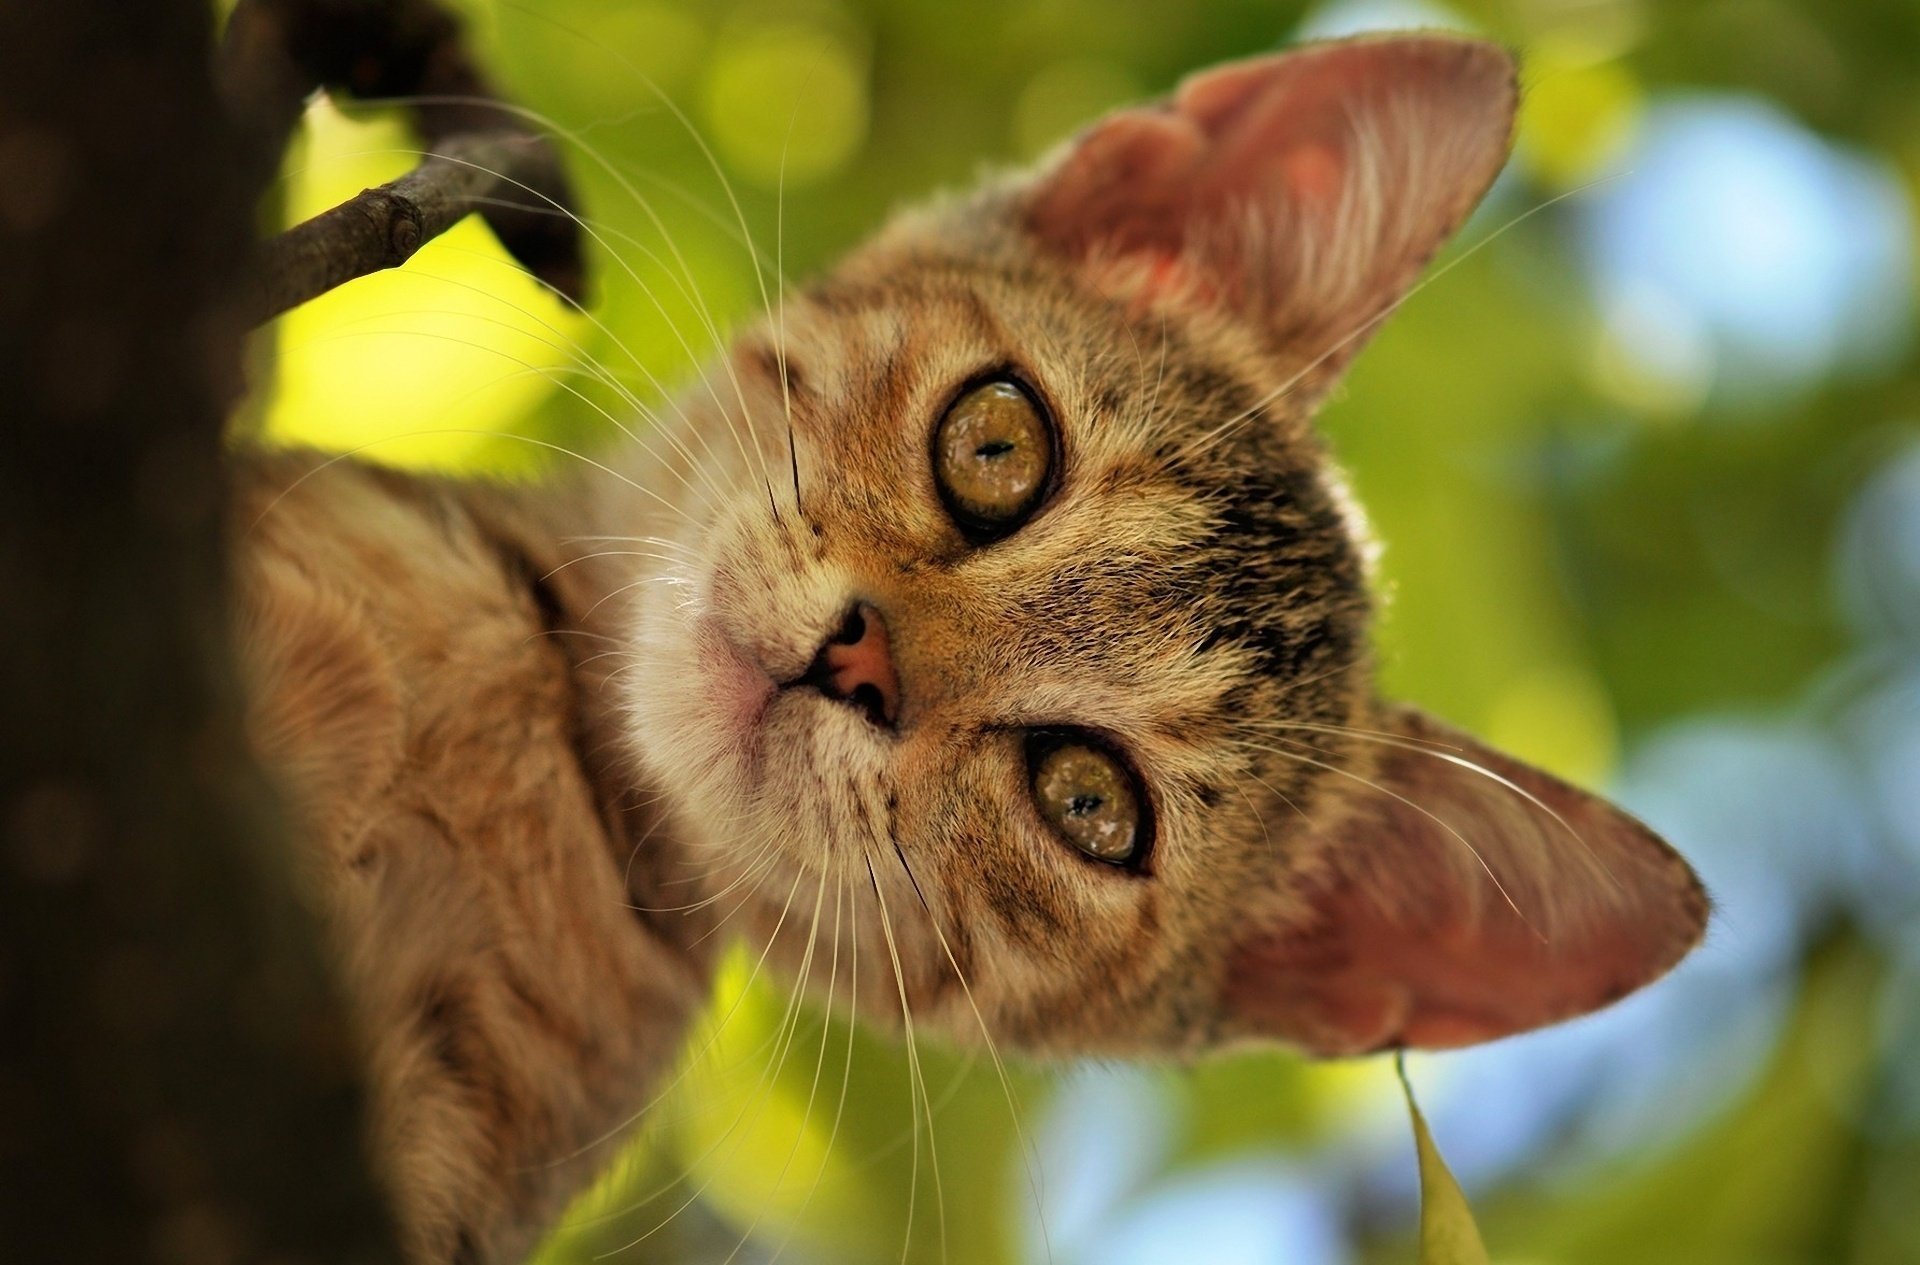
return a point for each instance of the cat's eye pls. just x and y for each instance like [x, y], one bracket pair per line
[992, 459]
[1089, 796]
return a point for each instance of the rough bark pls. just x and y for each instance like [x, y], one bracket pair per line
[175, 1080]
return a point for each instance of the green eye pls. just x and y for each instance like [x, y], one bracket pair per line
[1089, 797]
[992, 456]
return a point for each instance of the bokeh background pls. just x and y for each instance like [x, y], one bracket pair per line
[1646, 460]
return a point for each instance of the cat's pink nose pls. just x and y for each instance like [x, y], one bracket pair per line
[856, 666]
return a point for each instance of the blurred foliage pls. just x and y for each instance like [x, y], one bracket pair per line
[1585, 551]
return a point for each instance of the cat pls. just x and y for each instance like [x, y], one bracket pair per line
[995, 588]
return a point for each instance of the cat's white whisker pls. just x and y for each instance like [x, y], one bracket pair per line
[372, 444]
[1455, 755]
[1029, 1155]
[689, 286]
[1365, 327]
[761, 1091]
[672, 398]
[917, 1084]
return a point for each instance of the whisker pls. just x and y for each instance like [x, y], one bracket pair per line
[355, 451]
[798, 992]
[1203, 441]
[917, 1087]
[1437, 750]
[599, 371]
[1392, 794]
[600, 235]
[1029, 1155]
[761, 1093]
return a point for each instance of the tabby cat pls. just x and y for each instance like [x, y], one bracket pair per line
[994, 589]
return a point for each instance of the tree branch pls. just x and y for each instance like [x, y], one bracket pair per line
[384, 226]
[485, 158]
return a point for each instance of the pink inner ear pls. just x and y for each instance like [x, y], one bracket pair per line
[1306, 187]
[1260, 133]
[1412, 940]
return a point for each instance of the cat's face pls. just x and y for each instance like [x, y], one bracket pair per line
[1020, 649]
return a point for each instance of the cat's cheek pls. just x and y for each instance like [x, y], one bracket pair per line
[735, 690]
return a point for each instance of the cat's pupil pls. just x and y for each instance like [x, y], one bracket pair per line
[996, 448]
[1084, 804]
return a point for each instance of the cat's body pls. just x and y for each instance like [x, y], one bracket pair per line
[994, 594]
[451, 796]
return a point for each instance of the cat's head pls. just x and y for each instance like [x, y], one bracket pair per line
[1021, 637]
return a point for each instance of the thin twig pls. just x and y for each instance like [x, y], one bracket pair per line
[384, 226]
[276, 53]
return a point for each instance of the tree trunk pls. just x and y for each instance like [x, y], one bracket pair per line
[175, 1079]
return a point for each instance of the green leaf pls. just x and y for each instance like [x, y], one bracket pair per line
[1448, 1235]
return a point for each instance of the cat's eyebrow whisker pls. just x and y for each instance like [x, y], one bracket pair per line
[431, 432]
[1220, 432]
[753, 253]
[700, 363]
[780, 316]
[670, 397]
[559, 340]
[1451, 754]
[1437, 820]
[690, 287]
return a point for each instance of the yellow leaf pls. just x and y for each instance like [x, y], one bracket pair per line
[1448, 1235]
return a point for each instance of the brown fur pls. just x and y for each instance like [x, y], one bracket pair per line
[462, 843]
[1193, 590]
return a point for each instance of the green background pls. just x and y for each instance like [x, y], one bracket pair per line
[1608, 562]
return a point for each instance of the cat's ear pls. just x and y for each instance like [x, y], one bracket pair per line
[1465, 897]
[1304, 190]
